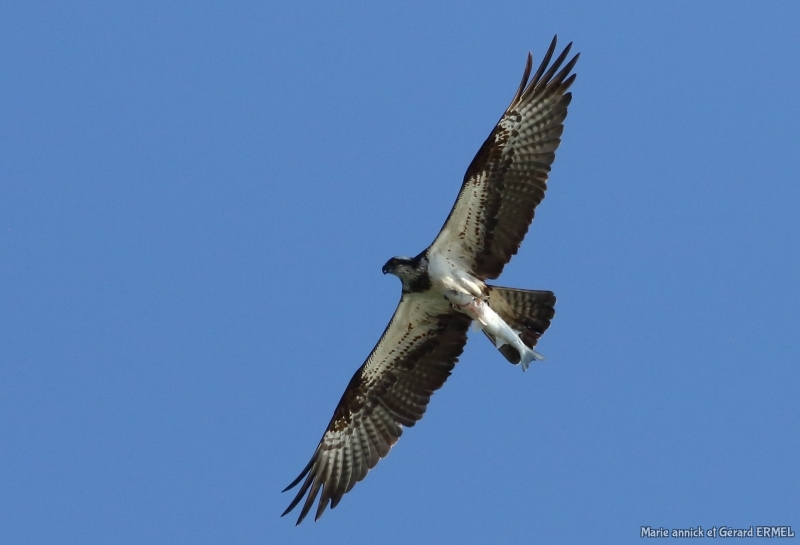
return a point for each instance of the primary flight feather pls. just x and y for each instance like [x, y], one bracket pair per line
[444, 291]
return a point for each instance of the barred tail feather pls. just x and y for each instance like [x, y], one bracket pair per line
[528, 312]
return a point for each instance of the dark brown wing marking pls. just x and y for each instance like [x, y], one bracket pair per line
[413, 358]
[508, 177]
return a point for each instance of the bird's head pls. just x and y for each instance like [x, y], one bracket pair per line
[412, 271]
[399, 266]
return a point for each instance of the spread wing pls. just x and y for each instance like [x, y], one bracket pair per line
[413, 358]
[508, 177]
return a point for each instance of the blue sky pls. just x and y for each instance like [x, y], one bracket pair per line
[196, 200]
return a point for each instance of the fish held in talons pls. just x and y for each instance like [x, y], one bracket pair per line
[495, 327]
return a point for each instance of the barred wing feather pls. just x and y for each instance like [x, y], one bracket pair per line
[413, 358]
[508, 177]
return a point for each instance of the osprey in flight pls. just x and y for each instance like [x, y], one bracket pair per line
[444, 291]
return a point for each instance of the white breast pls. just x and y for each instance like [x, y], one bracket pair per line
[449, 274]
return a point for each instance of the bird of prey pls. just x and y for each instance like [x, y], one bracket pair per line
[444, 291]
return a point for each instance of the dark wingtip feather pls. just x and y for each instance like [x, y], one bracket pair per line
[525, 75]
[330, 483]
[566, 70]
[568, 83]
[337, 498]
[299, 496]
[302, 491]
[321, 508]
[545, 62]
[294, 483]
[312, 495]
[302, 474]
[557, 63]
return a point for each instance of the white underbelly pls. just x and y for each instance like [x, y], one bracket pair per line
[448, 274]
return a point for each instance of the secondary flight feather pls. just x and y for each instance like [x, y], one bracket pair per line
[444, 291]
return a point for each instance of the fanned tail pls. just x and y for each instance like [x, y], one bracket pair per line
[528, 313]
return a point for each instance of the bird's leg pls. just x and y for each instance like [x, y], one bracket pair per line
[469, 305]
